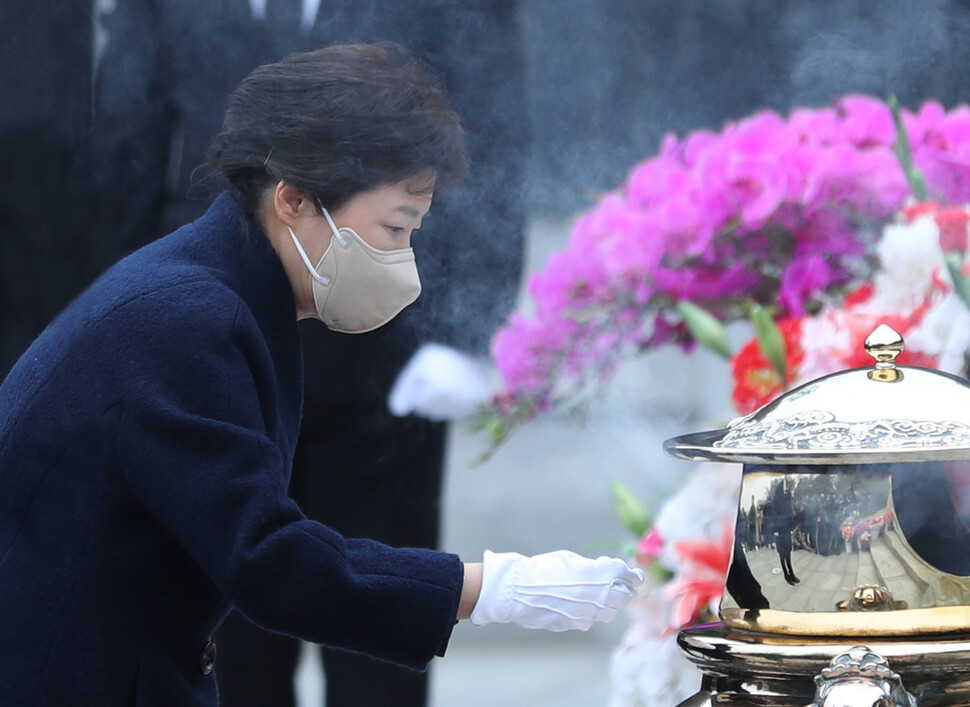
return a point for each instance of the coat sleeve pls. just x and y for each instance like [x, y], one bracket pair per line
[196, 444]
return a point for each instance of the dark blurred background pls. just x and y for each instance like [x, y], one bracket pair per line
[610, 77]
[606, 79]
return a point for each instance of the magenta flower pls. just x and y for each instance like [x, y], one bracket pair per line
[773, 210]
[802, 277]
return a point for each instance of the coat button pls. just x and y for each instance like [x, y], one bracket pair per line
[208, 659]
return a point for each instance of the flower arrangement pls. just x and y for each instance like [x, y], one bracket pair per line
[815, 228]
[767, 220]
[686, 551]
[919, 287]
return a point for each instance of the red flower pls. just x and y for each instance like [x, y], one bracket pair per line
[921, 208]
[699, 581]
[953, 229]
[863, 293]
[756, 381]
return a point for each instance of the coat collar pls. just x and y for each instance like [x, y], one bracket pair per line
[251, 266]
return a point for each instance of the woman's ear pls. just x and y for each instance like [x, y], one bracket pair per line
[289, 203]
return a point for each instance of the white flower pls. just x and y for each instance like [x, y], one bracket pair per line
[826, 342]
[909, 255]
[648, 669]
[699, 508]
[944, 332]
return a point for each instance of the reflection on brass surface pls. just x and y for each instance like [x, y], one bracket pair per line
[829, 554]
[765, 655]
[850, 573]
[870, 597]
[887, 375]
[744, 669]
[911, 622]
[860, 678]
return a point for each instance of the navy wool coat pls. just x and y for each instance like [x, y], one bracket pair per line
[146, 439]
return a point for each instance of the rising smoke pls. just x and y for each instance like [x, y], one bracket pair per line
[609, 77]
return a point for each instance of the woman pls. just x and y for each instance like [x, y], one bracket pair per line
[146, 437]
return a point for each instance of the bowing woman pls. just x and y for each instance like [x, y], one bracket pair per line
[146, 436]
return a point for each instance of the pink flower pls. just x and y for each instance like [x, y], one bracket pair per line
[803, 279]
[650, 547]
[705, 284]
[757, 178]
[514, 352]
[699, 581]
[778, 211]
[865, 121]
[565, 283]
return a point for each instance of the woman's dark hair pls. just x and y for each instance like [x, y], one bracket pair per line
[338, 121]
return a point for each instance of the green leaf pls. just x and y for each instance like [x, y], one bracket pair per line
[770, 340]
[954, 265]
[496, 429]
[915, 178]
[631, 512]
[705, 328]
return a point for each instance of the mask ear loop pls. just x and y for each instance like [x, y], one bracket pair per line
[333, 227]
[322, 279]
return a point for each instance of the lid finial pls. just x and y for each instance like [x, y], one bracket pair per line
[884, 344]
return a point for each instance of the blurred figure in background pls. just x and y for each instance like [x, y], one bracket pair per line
[45, 113]
[163, 79]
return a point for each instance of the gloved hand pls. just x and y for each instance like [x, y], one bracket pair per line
[439, 383]
[557, 591]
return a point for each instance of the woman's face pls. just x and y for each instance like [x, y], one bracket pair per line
[384, 218]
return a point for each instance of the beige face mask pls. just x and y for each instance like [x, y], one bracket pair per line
[356, 287]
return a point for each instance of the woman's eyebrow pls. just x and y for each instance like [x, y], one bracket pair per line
[412, 212]
[409, 210]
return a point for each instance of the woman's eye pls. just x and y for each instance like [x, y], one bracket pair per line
[395, 229]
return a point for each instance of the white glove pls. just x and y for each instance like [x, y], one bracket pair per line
[439, 383]
[557, 591]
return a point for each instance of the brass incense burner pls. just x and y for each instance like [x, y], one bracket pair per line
[850, 579]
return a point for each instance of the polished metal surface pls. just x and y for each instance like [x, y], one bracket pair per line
[745, 669]
[883, 413]
[846, 418]
[829, 553]
[849, 583]
[860, 678]
[884, 344]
